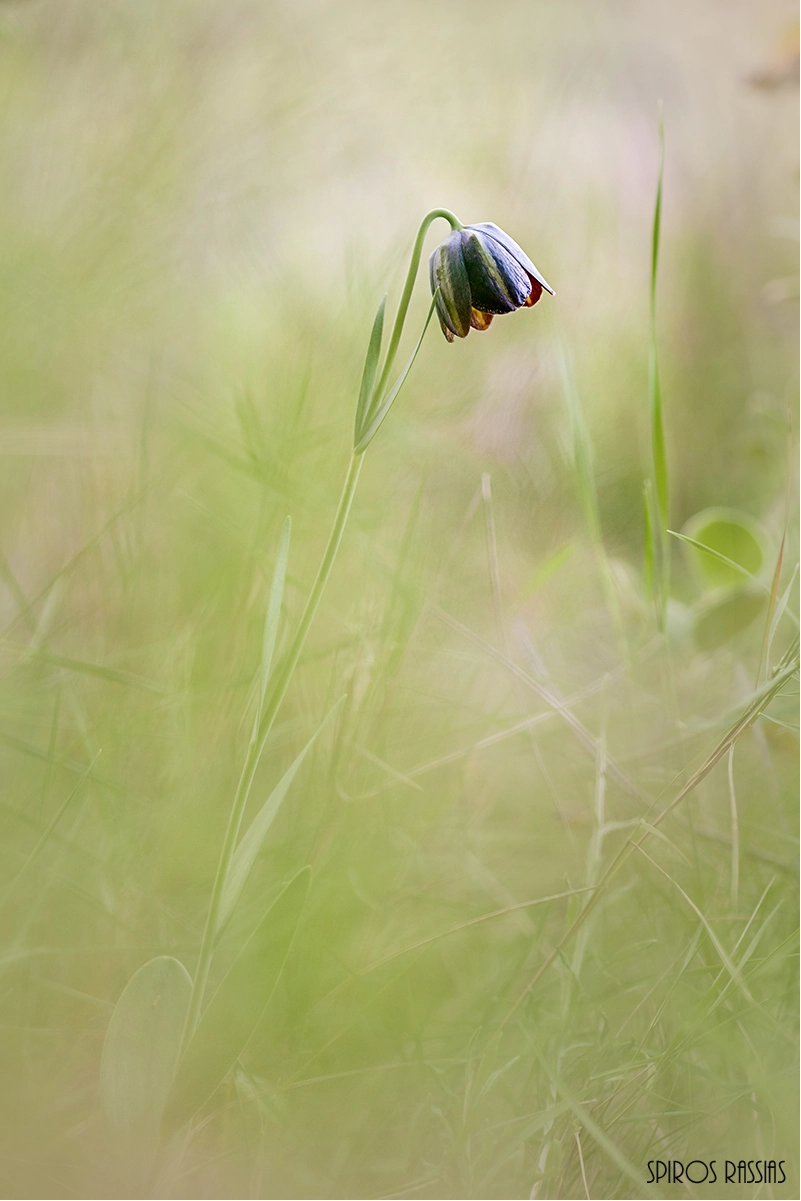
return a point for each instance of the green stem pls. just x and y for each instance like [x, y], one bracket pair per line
[406, 295]
[257, 741]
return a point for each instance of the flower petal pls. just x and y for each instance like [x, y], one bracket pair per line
[536, 292]
[497, 234]
[498, 284]
[448, 273]
[479, 320]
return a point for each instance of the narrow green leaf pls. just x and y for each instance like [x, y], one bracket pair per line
[648, 537]
[657, 224]
[236, 1008]
[659, 505]
[380, 407]
[369, 373]
[582, 450]
[251, 843]
[141, 1050]
[781, 608]
[774, 595]
[543, 573]
[273, 615]
[658, 446]
[126, 678]
[737, 568]
[47, 832]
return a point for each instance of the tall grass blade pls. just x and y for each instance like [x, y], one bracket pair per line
[366, 391]
[48, 831]
[649, 528]
[774, 593]
[781, 608]
[721, 558]
[273, 616]
[253, 839]
[234, 1012]
[658, 451]
[141, 1049]
[582, 450]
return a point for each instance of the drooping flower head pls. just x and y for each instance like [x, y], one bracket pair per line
[480, 272]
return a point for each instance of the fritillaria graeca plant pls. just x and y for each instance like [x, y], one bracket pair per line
[478, 272]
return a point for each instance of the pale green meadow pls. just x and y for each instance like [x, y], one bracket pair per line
[511, 908]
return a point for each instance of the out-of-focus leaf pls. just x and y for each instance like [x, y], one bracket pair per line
[237, 1006]
[141, 1049]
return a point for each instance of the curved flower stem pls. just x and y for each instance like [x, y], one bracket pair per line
[406, 295]
[257, 741]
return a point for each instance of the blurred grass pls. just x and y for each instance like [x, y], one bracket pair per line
[203, 206]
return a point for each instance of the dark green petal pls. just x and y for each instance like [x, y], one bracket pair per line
[511, 247]
[498, 284]
[448, 273]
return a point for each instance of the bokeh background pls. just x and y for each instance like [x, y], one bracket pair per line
[202, 205]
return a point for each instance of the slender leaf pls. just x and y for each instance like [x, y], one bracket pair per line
[47, 832]
[661, 576]
[380, 407]
[368, 375]
[648, 537]
[781, 608]
[234, 1012]
[141, 1049]
[582, 451]
[774, 594]
[546, 569]
[716, 554]
[273, 614]
[253, 839]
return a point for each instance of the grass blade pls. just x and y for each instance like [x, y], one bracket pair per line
[366, 391]
[781, 608]
[46, 833]
[583, 457]
[658, 450]
[716, 554]
[774, 593]
[273, 616]
[717, 944]
[234, 1012]
[649, 549]
[253, 839]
